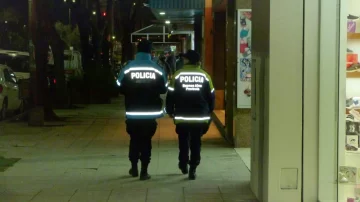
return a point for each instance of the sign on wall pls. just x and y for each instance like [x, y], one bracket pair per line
[244, 59]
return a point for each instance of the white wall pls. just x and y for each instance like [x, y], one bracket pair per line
[311, 100]
[298, 127]
[285, 69]
[328, 99]
[283, 96]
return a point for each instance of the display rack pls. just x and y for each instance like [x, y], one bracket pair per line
[353, 75]
[349, 169]
[353, 35]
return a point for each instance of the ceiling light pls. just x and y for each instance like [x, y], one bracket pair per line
[162, 13]
[167, 22]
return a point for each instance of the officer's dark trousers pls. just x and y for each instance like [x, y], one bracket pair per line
[141, 133]
[190, 138]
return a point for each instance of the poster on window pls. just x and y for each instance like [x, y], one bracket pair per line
[244, 59]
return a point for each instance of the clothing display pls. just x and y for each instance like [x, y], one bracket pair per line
[243, 46]
[349, 135]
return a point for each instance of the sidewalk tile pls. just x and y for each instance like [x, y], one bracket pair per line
[53, 198]
[166, 197]
[203, 198]
[237, 197]
[59, 191]
[87, 159]
[25, 189]
[15, 198]
[193, 191]
[130, 195]
[90, 196]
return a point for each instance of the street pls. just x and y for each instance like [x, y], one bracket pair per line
[85, 159]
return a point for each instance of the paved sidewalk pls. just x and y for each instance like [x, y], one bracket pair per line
[86, 160]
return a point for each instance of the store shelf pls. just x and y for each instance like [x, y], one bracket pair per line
[353, 35]
[352, 74]
[348, 111]
[353, 152]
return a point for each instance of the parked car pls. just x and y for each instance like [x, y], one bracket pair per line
[9, 92]
[17, 61]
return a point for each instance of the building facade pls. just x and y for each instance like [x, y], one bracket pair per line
[303, 124]
[305, 99]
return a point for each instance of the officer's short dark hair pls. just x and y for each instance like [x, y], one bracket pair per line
[192, 56]
[144, 46]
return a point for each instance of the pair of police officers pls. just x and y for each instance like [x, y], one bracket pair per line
[190, 102]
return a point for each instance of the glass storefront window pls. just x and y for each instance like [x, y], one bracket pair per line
[349, 152]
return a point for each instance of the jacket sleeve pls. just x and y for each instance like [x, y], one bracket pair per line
[170, 97]
[121, 81]
[211, 95]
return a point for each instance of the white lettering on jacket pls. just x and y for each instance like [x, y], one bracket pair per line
[191, 79]
[143, 75]
[142, 69]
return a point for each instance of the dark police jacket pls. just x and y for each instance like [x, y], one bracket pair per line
[142, 81]
[191, 96]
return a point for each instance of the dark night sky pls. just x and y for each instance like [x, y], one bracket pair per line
[20, 5]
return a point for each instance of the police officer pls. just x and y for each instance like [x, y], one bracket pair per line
[190, 101]
[142, 82]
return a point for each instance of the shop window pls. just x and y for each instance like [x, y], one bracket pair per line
[349, 154]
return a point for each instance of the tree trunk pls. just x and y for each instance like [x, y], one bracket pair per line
[40, 29]
[127, 21]
[96, 35]
[127, 48]
[41, 54]
[83, 16]
[58, 46]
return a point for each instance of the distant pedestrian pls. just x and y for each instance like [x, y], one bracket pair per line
[142, 82]
[179, 62]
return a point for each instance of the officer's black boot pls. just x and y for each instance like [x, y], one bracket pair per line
[184, 168]
[192, 173]
[144, 173]
[134, 172]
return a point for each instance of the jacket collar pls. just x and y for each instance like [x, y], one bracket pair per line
[191, 66]
[143, 56]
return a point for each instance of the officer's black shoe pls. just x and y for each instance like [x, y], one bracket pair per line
[144, 176]
[184, 169]
[192, 173]
[134, 172]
